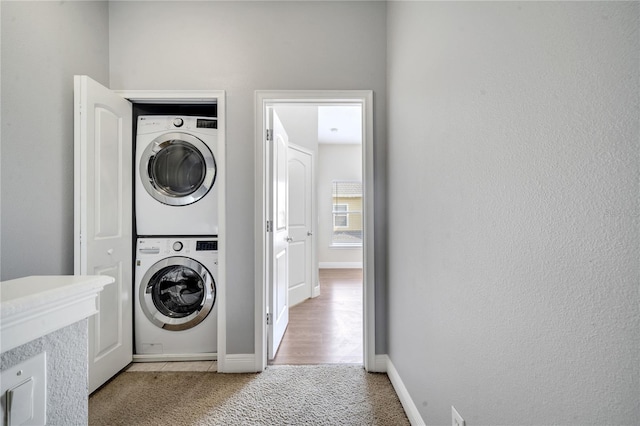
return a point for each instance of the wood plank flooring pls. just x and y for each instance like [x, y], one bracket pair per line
[326, 329]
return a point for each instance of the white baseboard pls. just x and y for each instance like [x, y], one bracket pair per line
[403, 394]
[238, 363]
[175, 357]
[340, 265]
[380, 363]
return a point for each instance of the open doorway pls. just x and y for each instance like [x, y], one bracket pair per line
[325, 323]
[271, 139]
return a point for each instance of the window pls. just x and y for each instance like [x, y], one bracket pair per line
[347, 214]
[340, 220]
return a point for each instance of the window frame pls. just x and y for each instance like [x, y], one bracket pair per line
[341, 213]
[335, 196]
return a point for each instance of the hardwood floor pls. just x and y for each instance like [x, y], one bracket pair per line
[328, 328]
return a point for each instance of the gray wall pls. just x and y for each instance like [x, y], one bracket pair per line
[67, 372]
[513, 210]
[43, 45]
[241, 47]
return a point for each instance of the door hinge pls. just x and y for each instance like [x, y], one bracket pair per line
[269, 226]
[268, 319]
[269, 135]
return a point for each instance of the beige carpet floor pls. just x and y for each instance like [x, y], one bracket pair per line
[332, 394]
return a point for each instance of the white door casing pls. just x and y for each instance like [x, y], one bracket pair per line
[279, 236]
[206, 97]
[301, 220]
[103, 222]
[264, 101]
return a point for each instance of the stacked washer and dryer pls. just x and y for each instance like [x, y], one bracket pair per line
[176, 201]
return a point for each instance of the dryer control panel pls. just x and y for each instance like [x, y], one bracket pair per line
[156, 123]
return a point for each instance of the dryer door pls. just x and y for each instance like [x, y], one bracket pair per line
[177, 293]
[177, 169]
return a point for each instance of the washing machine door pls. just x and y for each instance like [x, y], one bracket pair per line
[177, 293]
[177, 169]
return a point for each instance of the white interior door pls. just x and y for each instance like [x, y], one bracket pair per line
[278, 309]
[301, 221]
[103, 224]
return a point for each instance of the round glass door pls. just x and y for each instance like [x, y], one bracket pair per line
[177, 169]
[177, 293]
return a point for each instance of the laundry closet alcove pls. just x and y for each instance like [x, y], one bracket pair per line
[104, 234]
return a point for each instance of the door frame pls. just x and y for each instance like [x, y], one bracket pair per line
[264, 99]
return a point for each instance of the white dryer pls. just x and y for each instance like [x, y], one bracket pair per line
[175, 297]
[175, 189]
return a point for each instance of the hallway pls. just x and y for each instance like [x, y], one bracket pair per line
[328, 328]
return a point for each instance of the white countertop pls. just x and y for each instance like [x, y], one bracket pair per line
[32, 307]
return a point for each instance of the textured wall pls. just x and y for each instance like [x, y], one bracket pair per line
[513, 267]
[67, 375]
[43, 45]
[242, 47]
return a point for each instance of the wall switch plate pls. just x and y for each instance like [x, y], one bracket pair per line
[23, 392]
[20, 403]
[456, 418]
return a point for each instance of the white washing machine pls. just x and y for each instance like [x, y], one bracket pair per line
[176, 192]
[175, 297]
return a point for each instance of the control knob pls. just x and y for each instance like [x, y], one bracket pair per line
[177, 246]
[178, 122]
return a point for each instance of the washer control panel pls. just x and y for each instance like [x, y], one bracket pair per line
[207, 245]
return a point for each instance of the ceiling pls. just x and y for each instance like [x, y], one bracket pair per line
[340, 124]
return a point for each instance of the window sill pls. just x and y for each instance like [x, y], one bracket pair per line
[345, 246]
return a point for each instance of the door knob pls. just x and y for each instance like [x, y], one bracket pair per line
[289, 239]
[110, 252]
[309, 233]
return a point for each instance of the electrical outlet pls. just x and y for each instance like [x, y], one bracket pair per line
[456, 418]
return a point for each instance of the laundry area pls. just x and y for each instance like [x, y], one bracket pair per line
[176, 223]
[149, 166]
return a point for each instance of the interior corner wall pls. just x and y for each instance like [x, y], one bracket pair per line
[241, 47]
[513, 161]
[43, 45]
